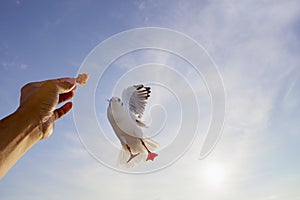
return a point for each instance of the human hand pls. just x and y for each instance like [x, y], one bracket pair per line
[34, 118]
[39, 101]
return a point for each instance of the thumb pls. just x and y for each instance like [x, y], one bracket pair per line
[66, 85]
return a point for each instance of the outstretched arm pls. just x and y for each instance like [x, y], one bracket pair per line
[34, 119]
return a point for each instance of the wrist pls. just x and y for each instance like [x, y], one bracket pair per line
[24, 122]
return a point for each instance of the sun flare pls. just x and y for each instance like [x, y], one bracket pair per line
[214, 174]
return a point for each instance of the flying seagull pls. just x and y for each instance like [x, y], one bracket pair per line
[125, 116]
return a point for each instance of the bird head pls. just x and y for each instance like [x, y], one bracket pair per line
[115, 101]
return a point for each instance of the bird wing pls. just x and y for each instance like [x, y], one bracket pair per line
[135, 98]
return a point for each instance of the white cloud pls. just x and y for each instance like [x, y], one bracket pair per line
[24, 66]
[13, 62]
[19, 2]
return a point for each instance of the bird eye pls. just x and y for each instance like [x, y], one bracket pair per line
[119, 100]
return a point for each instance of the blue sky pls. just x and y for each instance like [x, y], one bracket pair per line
[255, 45]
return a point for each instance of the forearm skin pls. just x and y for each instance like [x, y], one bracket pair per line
[17, 135]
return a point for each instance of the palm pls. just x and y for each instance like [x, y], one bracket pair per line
[41, 100]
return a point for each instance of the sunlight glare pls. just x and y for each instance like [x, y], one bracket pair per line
[214, 174]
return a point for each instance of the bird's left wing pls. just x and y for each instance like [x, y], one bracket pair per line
[135, 98]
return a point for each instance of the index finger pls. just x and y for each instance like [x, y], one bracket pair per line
[64, 85]
[66, 96]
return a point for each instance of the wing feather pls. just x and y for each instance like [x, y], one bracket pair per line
[135, 97]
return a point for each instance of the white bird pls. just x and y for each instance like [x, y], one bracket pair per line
[125, 118]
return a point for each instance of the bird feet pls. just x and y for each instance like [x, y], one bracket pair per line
[132, 156]
[151, 156]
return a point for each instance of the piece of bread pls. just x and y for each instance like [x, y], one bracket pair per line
[82, 78]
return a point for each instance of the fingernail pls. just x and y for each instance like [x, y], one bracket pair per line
[71, 81]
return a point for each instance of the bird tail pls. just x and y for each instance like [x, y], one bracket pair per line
[151, 144]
